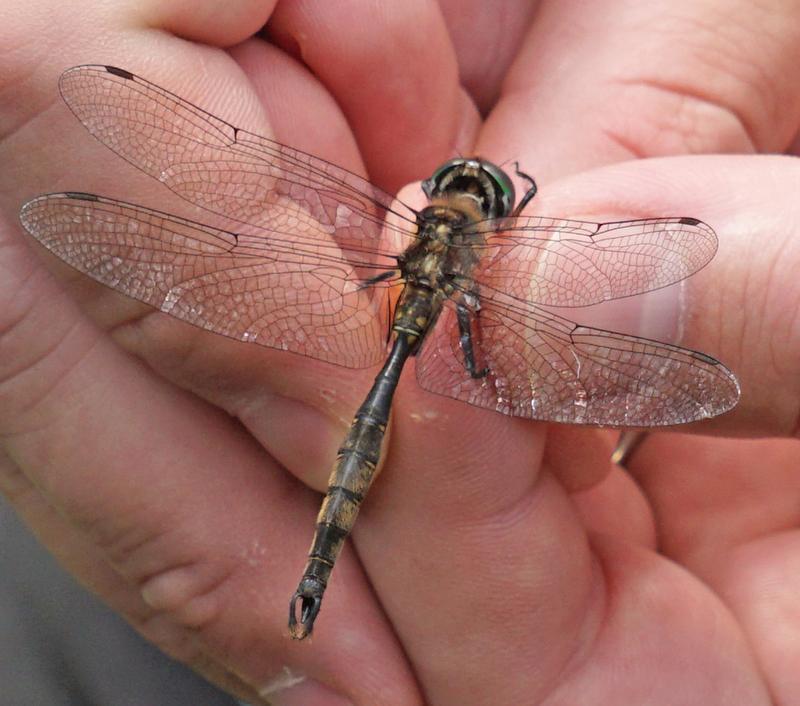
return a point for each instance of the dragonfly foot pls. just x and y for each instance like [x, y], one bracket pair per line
[309, 598]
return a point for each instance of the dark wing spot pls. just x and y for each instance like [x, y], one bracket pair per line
[80, 196]
[705, 358]
[119, 72]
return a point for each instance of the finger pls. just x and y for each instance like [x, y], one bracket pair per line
[152, 33]
[77, 553]
[367, 56]
[203, 21]
[221, 86]
[393, 71]
[794, 148]
[738, 308]
[726, 510]
[616, 507]
[708, 77]
[684, 644]
[486, 39]
[204, 531]
[578, 456]
[608, 501]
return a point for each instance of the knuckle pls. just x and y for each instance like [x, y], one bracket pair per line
[673, 119]
[189, 594]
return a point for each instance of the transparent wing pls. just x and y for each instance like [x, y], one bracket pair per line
[247, 287]
[542, 366]
[568, 263]
[231, 172]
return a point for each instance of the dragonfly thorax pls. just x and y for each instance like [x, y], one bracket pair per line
[443, 254]
[430, 260]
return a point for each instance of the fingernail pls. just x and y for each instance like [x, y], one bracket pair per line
[305, 693]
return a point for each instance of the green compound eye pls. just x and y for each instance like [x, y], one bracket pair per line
[442, 177]
[436, 177]
[501, 180]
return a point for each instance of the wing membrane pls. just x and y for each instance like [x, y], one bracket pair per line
[542, 366]
[231, 172]
[567, 263]
[238, 286]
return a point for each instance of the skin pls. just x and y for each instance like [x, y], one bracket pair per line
[497, 561]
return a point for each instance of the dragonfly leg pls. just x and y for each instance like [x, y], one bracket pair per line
[627, 444]
[529, 194]
[382, 277]
[465, 318]
[391, 309]
[348, 484]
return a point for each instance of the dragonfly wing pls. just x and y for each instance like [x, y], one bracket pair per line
[558, 262]
[231, 172]
[541, 366]
[218, 280]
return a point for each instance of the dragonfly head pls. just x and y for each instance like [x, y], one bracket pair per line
[477, 177]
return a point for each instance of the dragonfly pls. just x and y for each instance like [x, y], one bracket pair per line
[316, 260]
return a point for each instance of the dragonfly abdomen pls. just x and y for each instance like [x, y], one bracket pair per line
[349, 482]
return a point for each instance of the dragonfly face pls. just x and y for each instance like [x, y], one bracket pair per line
[309, 253]
[489, 185]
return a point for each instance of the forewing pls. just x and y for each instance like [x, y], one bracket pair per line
[229, 171]
[234, 285]
[541, 366]
[576, 263]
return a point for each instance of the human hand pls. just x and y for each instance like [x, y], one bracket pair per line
[176, 521]
[594, 84]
